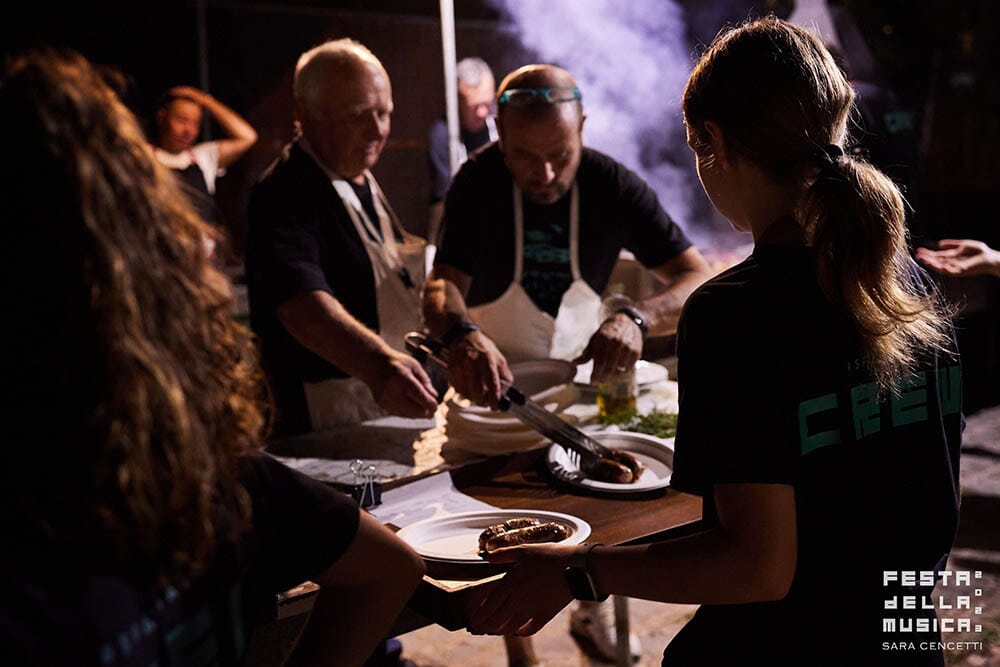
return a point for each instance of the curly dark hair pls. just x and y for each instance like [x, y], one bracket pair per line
[135, 391]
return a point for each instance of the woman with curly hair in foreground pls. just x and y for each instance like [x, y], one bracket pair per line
[143, 525]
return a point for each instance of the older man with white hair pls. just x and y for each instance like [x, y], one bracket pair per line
[476, 128]
[334, 281]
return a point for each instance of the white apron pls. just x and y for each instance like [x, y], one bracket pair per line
[337, 402]
[524, 332]
[491, 128]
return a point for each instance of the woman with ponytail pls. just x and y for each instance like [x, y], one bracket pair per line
[819, 396]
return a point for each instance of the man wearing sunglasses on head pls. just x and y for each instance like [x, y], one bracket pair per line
[533, 226]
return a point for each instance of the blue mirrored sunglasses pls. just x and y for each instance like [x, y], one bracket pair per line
[518, 97]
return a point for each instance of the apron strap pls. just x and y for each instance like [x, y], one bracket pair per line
[385, 210]
[388, 247]
[574, 232]
[518, 236]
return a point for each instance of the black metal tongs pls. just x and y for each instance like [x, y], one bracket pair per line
[424, 347]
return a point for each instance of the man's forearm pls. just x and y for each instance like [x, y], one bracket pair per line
[444, 303]
[708, 568]
[663, 311]
[682, 276]
[322, 325]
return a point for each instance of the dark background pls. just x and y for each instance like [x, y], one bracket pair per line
[937, 60]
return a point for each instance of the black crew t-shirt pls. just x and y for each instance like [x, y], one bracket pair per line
[773, 391]
[617, 210]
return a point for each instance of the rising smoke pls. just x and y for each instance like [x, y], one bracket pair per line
[631, 60]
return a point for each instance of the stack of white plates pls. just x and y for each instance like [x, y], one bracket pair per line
[480, 430]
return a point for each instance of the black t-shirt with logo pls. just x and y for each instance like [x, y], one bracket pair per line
[773, 391]
[546, 272]
[617, 210]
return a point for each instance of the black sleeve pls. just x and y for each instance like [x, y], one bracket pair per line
[300, 526]
[287, 244]
[438, 160]
[461, 240]
[732, 422]
[654, 238]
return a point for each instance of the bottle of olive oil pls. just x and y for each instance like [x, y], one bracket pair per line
[616, 398]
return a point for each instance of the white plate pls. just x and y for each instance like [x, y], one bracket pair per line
[656, 454]
[646, 373]
[455, 538]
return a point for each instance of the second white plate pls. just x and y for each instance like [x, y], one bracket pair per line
[656, 454]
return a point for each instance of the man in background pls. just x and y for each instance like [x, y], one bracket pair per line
[178, 123]
[476, 90]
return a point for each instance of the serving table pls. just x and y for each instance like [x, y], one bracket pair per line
[406, 451]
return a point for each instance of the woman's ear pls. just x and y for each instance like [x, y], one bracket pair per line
[717, 143]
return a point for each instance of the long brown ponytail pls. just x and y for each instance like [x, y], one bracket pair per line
[783, 104]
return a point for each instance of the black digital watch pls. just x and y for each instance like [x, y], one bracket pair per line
[581, 582]
[636, 317]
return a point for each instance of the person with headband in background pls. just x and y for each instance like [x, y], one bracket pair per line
[198, 164]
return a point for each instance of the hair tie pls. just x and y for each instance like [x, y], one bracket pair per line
[827, 158]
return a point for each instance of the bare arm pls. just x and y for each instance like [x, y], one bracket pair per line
[751, 556]
[241, 134]
[476, 368]
[359, 599]
[322, 325]
[617, 344]
[682, 275]
[436, 212]
[444, 298]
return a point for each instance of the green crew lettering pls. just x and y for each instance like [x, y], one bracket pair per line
[812, 407]
[865, 410]
[910, 406]
[950, 388]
